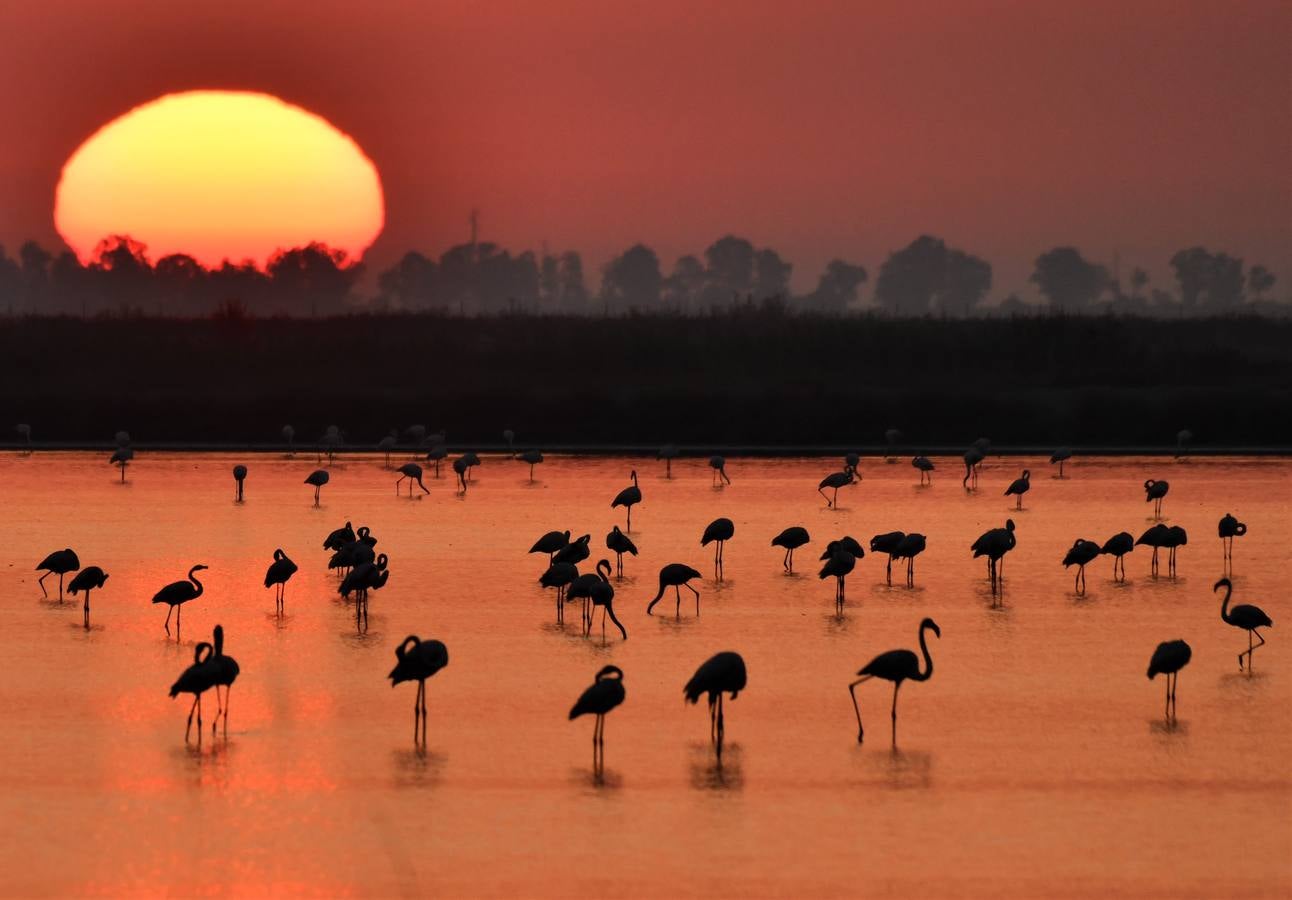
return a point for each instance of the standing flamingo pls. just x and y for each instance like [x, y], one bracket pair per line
[606, 693]
[225, 673]
[888, 543]
[791, 539]
[549, 543]
[1176, 537]
[277, 575]
[619, 543]
[1229, 528]
[339, 537]
[1157, 537]
[59, 563]
[436, 455]
[1020, 486]
[668, 453]
[721, 673]
[603, 595]
[316, 480]
[994, 544]
[197, 679]
[239, 476]
[675, 576]
[460, 468]
[121, 457]
[1060, 456]
[628, 498]
[836, 480]
[576, 551]
[909, 547]
[925, 465]
[559, 575]
[895, 666]
[1154, 491]
[533, 457]
[413, 472]
[1117, 547]
[177, 593]
[841, 561]
[387, 444]
[718, 533]
[973, 457]
[1244, 616]
[719, 466]
[88, 579]
[1082, 553]
[1168, 659]
[418, 660]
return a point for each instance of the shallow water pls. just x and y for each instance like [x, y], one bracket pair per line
[1036, 761]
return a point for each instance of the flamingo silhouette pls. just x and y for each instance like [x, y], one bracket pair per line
[88, 579]
[718, 532]
[1081, 553]
[925, 465]
[719, 466]
[436, 455]
[413, 472]
[1244, 616]
[1060, 456]
[339, 537]
[549, 543]
[316, 480]
[1229, 528]
[606, 693]
[576, 551]
[909, 547]
[1168, 659]
[841, 561]
[533, 457]
[895, 666]
[239, 476]
[994, 544]
[581, 589]
[177, 593]
[619, 543]
[470, 459]
[1176, 537]
[418, 660]
[386, 444]
[603, 595]
[628, 498]
[365, 577]
[973, 457]
[277, 575]
[1154, 491]
[460, 468]
[1117, 547]
[121, 457]
[1157, 537]
[668, 453]
[1020, 486]
[559, 575]
[225, 672]
[888, 542]
[675, 576]
[721, 673]
[197, 679]
[836, 480]
[791, 539]
[59, 563]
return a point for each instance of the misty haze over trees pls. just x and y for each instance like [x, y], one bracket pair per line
[926, 277]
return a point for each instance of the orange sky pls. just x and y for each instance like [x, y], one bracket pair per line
[817, 128]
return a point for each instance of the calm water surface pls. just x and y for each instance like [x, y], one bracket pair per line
[1035, 761]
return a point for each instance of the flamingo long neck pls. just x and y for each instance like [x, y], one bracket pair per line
[605, 575]
[1224, 606]
[219, 643]
[610, 611]
[928, 660]
[192, 576]
[634, 479]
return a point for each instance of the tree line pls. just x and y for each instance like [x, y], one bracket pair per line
[926, 277]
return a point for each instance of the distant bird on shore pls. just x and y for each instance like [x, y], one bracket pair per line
[675, 576]
[834, 481]
[791, 539]
[316, 480]
[1117, 547]
[1080, 555]
[239, 476]
[909, 547]
[668, 453]
[121, 457]
[1060, 456]
[59, 563]
[628, 498]
[1229, 528]
[1154, 491]
[470, 459]
[436, 455]
[888, 542]
[387, 444]
[619, 543]
[1244, 616]
[718, 532]
[1020, 486]
[719, 466]
[460, 470]
[973, 457]
[533, 457]
[721, 673]
[197, 679]
[177, 593]
[549, 543]
[88, 579]
[418, 660]
[840, 562]
[895, 666]
[925, 466]
[280, 571]
[994, 544]
[1168, 659]
[606, 692]
[413, 472]
[225, 672]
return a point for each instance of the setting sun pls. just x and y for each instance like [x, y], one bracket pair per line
[219, 175]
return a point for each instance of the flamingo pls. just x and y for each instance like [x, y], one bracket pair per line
[225, 672]
[791, 539]
[581, 589]
[549, 543]
[576, 551]
[847, 542]
[668, 453]
[628, 498]
[460, 467]
[339, 537]
[59, 563]
[1060, 456]
[559, 575]
[387, 444]
[718, 532]
[329, 442]
[888, 542]
[88, 579]
[851, 460]
[1157, 537]
[418, 660]
[368, 576]
[1154, 491]
[436, 455]
[836, 480]
[1176, 537]
[239, 476]
[533, 457]
[606, 693]
[1020, 486]
[289, 438]
[121, 457]
[1168, 659]
[277, 575]
[841, 561]
[994, 544]
[619, 543]
[719, 466]
[317, 479]
[177, 593]
[197, 679]
[413, 472]
[470, 459]
[925, 465]
[908, 548]
[1244, 616]
[1082, 553]
[721, 673]
[973, 456]
[1117, 547]
[895, 666]
[603, 595]
[1230, 528]
[675, 576]
[365, 537]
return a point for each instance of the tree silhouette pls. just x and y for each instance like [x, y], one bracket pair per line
[1212, 279]
[1260, 280]
[926, 271]
[632, 280]
[315, 277]
[837, 288]
[728, 271]
[683, 286]
[1067, 280]
[771, 274]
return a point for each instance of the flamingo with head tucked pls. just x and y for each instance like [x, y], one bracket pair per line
[619, 543]
[239, 476]
[1229, 528]
[722, 673]
[1117, 547]
[88, 579]
[1168, 659]
[606, 693]
[277, 575]
[316, 480]
[718, 533]
[418, 660]
[925, 466]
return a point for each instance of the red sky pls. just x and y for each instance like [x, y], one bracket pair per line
[818, 128]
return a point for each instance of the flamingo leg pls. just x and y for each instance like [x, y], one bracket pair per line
[852, 689]
[677, 591]
[191, 710]
[721, 729]
[888, 571]
[41, 581]
[896, 686]
[697, 600]
[169, 610]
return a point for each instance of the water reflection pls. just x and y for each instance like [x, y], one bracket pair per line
[710, 772]
[416, 768]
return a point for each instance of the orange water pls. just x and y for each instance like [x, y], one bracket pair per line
[1035, 762]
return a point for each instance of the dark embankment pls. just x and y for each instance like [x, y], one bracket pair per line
[741, 379]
